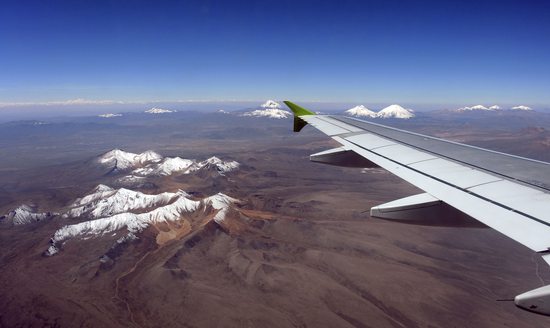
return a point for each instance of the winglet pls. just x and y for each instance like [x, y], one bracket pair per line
[298, 111]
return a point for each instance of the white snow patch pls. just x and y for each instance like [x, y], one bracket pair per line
[156, 110]
[25, 214]
[123, 160]
[271, 104]
[521, 107]
[165, 167]
[108, 115]
[270, 109]
[222, 203]
[221, 166]
[270, 113]
[476, 107]
[52, 250]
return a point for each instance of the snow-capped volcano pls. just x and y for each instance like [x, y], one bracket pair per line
[109, 115]
[271, 104]
[361, 111]
[121, 160]
[521, 107]
[156, 110]
[25, 214]
[395, 111]
[479, 107]
[271, 109]
[269, 112]
[113, 210]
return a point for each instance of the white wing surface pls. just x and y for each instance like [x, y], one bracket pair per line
[510, 194]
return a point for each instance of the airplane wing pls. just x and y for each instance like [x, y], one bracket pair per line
[510, 194]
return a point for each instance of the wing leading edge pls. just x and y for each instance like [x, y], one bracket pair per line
[508, 193]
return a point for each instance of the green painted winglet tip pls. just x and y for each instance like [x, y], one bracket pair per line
[297, 110]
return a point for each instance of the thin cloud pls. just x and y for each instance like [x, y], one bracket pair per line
[70, 102]
[87, 102]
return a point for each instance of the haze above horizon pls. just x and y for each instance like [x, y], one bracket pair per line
[348, 51]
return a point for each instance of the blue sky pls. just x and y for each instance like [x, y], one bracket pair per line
[412, 52]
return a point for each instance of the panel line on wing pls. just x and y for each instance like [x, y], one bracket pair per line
[482, 184]
[345, 126]
[423, 160]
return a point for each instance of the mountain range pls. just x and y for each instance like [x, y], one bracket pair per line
[492, 108]
[122, 211]
[133, 167]
[392, 111]
[150, 163]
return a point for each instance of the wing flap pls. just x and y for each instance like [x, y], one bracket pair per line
[456, 174]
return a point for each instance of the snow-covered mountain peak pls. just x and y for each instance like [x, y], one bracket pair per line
[156, 110]
[150, 163]
[476, 107]
[24, 214]
[122, 160]
[220, 200]
[271, 104]
[213, 160]
[270, 109]
[148, 156]
[491, 108]
[101, 188]
[116, 153]
[395, 111]
[360, 111]
[108, 201]
[521, 107]
[167, 166]
[270, 113]
[171, 165]
[221, 166]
